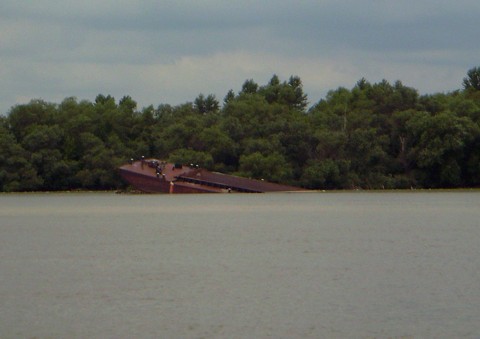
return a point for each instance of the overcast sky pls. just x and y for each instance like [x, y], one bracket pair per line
[160, 51]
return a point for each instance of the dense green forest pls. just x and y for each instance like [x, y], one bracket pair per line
[372, 136]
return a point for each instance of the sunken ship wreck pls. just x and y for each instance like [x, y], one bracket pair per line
[156, 176]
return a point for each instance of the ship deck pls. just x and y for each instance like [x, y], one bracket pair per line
[152, 175]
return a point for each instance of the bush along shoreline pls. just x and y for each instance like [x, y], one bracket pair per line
[372, 136]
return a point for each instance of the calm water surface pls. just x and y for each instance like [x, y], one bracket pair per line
[302, 265]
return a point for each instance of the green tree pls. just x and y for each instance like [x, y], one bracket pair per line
[16, 171]
[271, 92]
[36, 112]
[98, 164]
[440, 150]
[188, 156]
[207, 104]
[215, 141]
[293, 93]
[229, 97]
[402, 141]
[369, 159]
[472, 80]
[333, 111]
[249, 87]
[373, 136]
[288, 93]
[44, 144]
[326, 174]
[272, 167]
[329, 144]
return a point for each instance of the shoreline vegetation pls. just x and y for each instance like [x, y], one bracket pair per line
[378, 136]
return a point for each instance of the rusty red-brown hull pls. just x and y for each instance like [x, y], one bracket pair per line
[154, 176]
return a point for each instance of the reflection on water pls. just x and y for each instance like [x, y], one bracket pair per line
[306, 265]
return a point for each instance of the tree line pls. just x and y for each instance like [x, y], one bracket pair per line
[372, 136]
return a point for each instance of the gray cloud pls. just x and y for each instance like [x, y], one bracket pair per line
[169, 51]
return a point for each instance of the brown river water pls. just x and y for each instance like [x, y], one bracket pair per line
[282, 265]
